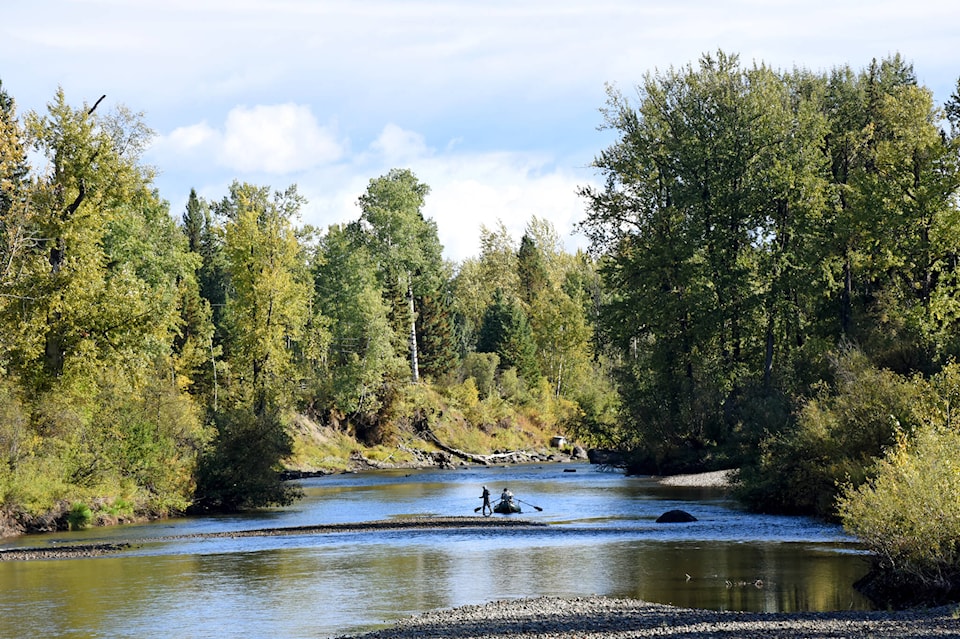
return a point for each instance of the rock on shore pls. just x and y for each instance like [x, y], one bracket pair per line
[623, 619]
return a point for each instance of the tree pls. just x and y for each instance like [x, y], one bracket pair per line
[195, 343]
[711, 194]
[96, 272]
[558, 320]
[478, 279]
[531, 269]
[506, 332]
[266, 310]
[64, 272]
[403, 243]
[360, 358]
[15, 218]
[13, 164]
[437, 334]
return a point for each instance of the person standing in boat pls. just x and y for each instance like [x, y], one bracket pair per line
[487, 508]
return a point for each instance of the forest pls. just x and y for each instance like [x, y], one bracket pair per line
[771, 286]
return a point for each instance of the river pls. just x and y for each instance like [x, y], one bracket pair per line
[601, 539]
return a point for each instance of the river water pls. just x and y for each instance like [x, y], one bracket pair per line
[602, 539]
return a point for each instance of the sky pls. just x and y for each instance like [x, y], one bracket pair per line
[495, 104]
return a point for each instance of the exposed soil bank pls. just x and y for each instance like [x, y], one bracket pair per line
[621, 619]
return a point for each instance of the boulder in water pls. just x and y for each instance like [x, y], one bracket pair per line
[676, 517]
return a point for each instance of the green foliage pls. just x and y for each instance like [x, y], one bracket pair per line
[531, 269]
[360, 360]
[439, 354]
[597, 421]
[268, 304]
[482, 369]
[512, 387]
[404, 246]
[121, 331]
[241, 468]
[79, 516]
[836, 439]
[751, 222]
[94, 360]
[506, 331]
[908, 515]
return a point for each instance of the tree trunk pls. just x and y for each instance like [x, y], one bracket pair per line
[846, 298]
[414, 363]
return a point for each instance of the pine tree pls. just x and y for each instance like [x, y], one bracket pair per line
[436, 335]
[506, 332]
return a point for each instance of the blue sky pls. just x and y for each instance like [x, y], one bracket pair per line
[493, 103]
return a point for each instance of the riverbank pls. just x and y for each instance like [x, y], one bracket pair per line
[627, 619]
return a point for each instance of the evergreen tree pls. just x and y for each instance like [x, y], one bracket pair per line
[437, 336]
[531, 270]
[506, 332]
[13, 163]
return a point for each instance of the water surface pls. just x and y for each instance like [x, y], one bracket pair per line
[602, 539]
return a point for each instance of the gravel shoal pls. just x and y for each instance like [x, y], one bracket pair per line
[547, 617]
[717, 478]
[413, 523]
[60, 552]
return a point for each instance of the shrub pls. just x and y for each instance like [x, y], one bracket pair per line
[79, 516]
[482, 367]
[908, 515]
[241, 469]
[836, 438]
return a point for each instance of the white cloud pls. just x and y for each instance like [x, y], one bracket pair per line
[192, 137]
[468, 191]
[487, 102]
[277, 139]
[399, 145]
[273, 139]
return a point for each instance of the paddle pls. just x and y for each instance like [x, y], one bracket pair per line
[537, 508]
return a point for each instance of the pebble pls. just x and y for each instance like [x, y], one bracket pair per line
[596, 617]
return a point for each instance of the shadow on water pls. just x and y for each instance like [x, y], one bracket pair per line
[601, 539]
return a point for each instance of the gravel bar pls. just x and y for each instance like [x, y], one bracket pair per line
[548, 617]
[78, 551]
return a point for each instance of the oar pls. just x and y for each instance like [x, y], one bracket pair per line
[537, 508]
[477, 509]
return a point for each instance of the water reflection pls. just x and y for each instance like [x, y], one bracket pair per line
[602, 540]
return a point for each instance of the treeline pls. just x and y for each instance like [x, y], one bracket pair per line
[154, 361]
[782, 252]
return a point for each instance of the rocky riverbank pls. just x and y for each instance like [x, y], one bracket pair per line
[597, 617]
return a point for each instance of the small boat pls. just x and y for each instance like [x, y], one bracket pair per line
[507, 505]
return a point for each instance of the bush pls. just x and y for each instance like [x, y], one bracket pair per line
[241, 469]
[482, 367]
[79, 516]
[908, 515]
[837, 437]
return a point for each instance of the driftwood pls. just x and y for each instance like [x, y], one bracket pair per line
[516, 456]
